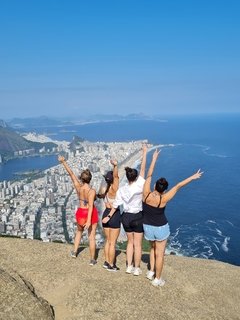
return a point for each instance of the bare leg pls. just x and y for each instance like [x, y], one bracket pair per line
[78, 237]
[106, 245]
[113, 236]
[137, 243]
[129, 248]
[152, 255]
[92, 241]
[159, 255]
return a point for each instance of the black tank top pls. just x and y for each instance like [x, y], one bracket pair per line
[154, 216]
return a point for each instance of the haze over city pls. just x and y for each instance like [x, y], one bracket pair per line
[61, 58]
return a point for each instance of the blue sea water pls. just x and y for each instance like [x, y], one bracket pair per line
[12, 169]
[205, 215]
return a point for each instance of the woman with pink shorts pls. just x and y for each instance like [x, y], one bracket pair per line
[86, 215]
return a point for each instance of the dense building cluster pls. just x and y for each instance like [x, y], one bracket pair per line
[44, 208]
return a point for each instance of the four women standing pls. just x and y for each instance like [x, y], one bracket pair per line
[143, 210]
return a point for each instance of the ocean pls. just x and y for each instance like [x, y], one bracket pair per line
[204, 216]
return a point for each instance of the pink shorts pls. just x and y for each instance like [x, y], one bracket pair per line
[82, 213]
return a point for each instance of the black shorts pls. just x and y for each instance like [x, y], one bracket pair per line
[132, 222]
[114, 222]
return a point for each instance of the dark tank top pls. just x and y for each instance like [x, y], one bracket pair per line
[154, 216]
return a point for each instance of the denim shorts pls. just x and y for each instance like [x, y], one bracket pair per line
[153, 233]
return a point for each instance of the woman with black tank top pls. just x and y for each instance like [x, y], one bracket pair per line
[86, 214]
[155, 224]
[112, 226]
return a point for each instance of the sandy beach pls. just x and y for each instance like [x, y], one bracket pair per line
[133, 162]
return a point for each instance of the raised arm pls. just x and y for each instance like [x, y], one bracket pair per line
[143, 163]
[147, 184]
[115, 184]
[70, 172]
[171, 193]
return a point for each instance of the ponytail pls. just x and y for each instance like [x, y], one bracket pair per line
[103, 195]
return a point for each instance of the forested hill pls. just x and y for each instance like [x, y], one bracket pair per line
[11, 142]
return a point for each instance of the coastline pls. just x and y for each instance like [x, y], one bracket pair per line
[135, 160]
[132, 162]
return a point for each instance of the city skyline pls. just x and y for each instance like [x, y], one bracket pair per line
[67, 59]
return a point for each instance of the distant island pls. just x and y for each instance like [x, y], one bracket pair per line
[43, 121]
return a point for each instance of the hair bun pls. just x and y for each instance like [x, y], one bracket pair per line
[131, 174]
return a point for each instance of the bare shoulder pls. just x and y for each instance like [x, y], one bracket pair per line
[165, 197]
[92, 191]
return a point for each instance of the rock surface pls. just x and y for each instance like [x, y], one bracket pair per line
[195, 288]
[19, 301]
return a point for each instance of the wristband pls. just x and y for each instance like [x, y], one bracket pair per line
[109, 216]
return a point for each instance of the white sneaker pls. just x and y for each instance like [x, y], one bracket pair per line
[158, 282]
[137, 272]
[150, 275]
[129, 269]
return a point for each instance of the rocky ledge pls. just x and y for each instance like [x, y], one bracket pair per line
[40, 281]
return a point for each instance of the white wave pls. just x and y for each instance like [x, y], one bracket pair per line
[205, 150]
[159, 146]
[231, 224]
[206, 240]
[211, 221]
[224, 246]
[169, 250]
[219, 232]
[218, 155]
[177, 232]
[216, 246]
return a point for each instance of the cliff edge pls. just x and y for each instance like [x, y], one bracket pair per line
[37, 278]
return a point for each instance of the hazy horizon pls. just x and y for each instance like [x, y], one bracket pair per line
[68, 59]
[104, 117]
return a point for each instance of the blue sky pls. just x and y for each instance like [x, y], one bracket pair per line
[70, 58]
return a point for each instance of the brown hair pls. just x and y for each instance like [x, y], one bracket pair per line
[131, 174]
[109, 180]
[85, 176]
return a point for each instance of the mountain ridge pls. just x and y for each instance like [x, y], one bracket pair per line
[44, 121]
[11, 142]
